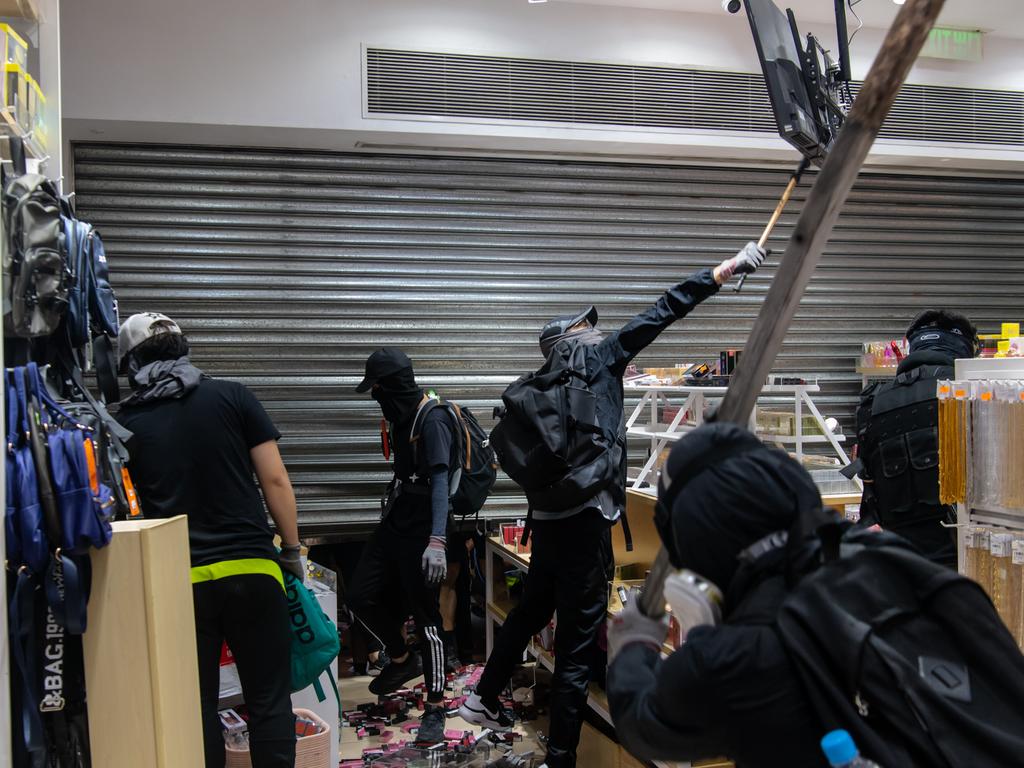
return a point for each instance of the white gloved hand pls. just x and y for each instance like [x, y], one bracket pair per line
[631, 626]
[746, 261]
[694, 602]
[434, 561]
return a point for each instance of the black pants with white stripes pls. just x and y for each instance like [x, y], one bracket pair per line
[571, 564]
[389, 586]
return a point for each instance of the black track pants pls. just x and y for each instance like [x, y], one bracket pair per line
[387, 587]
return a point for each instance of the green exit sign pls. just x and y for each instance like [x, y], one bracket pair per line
[955, 44]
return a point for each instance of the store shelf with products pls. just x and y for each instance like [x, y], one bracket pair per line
[795, 425]
[879, 359]
[501, 557]
[981, 445]
[869, 373]
[25, 106]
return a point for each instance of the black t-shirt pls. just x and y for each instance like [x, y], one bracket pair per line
[412, 514]
[191, 457]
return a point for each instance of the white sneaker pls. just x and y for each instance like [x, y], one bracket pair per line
[473, 711]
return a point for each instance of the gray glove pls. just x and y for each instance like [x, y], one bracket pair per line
[291, 560]
[631, 626]
[434, 561]
[746, 261]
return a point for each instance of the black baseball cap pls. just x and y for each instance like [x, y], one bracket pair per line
[557, 326]
[383, 362]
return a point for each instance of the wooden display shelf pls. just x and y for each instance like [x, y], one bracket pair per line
[140, 652]
[879, 372]
[500, 610]
[500, 556]
[20, 9]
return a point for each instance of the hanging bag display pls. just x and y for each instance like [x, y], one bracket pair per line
[24, 507]
[82, 504]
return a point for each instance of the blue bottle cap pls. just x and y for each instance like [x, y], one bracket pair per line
[839, 748]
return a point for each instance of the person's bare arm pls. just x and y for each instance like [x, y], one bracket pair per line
[277, 490]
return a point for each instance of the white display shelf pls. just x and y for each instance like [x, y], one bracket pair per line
[644, 421]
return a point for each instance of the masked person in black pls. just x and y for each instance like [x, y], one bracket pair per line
[730, 689]
[404, 562]
[572, 560]
[197, 444]
[898, 441]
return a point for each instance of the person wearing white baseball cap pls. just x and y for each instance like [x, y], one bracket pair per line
[198, 442]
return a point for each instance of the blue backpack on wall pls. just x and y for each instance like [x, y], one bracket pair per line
[92, 305]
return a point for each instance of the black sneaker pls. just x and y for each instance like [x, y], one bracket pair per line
[431, 729]
[395, 675]
[474, 711]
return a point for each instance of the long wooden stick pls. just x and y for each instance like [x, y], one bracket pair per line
[787, 193]
[813, 229]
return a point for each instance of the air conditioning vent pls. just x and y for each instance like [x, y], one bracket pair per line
[502, 89]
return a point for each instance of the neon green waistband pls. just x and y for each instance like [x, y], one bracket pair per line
[225, 568]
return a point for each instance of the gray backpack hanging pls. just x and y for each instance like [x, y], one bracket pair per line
[37, 281]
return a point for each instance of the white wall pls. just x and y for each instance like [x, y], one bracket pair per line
[289, 73]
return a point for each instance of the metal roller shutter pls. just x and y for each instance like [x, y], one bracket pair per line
[288, 268]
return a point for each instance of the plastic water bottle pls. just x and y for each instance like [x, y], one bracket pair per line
[841, 752]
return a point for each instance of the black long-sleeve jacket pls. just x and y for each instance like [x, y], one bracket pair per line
[607, 361]
[729, 691]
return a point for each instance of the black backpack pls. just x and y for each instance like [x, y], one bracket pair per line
[473, 474]
[907, 655]
[548, 438]
[36, 277]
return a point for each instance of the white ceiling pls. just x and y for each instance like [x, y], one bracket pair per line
[1001, 17]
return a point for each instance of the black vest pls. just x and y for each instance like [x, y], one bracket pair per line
[901, 447]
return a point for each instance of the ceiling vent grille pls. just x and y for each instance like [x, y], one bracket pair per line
[501, 89]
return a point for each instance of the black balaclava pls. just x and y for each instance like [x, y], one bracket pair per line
[943, 332]
[398, 395]
[951, 343]
[735, 491]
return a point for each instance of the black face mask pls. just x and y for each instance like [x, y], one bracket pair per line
[398, 396]
[955, 345]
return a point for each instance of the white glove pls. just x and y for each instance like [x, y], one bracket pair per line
[691, 605]
[631, 626]
[746, 261]
[434, 561]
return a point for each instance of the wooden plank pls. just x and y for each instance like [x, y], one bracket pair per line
[814, 227]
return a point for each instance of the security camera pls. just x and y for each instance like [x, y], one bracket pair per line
[731, 6]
